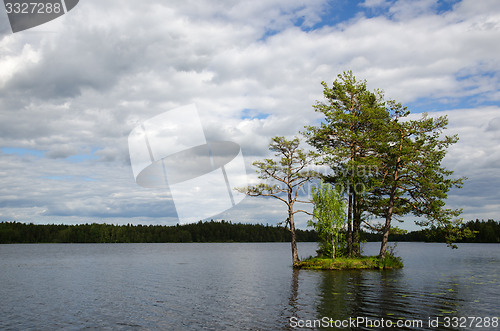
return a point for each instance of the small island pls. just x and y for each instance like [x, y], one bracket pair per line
[346, 263]
[368, 164]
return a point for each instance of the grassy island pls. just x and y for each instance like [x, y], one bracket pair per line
[345, 263]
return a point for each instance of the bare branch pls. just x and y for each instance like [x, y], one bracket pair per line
[302, 211]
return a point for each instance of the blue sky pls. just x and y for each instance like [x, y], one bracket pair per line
[73, 89]
[20, 151]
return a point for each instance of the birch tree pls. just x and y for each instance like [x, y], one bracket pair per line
[329, 216]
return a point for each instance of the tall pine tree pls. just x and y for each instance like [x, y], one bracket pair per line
[352, 113]
[411, 178]
[390, 165]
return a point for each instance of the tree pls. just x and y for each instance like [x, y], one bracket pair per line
[287, 174]
[351, 113]
[410, 176]
[330, 215]
[390, 165]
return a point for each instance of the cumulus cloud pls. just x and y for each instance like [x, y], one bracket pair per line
[73, 89]
[477, 157]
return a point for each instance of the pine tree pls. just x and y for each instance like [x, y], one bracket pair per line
[352, 113]
[411, 179]
[390, 165]
[286, 174]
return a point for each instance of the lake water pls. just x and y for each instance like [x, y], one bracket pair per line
[242, 286]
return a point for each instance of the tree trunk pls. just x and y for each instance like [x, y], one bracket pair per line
[349, 224]
[387, 226]
[390, 208]
[385, 238]
[356, 225]
[334, 243]
[295, 254]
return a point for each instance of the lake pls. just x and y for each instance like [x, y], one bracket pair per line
[242, 286]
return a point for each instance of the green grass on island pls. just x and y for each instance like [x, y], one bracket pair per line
[345, 263]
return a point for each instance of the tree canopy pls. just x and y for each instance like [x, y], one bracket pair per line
[390, 165]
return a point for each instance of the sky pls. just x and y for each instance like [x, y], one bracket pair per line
[72, 91]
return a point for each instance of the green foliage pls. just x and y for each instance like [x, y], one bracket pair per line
[347, 263]
[478, 232]
[410, 177]
[329, 217]
[351, 115]
[285, 174]
[14, 232]
[390, 261]
[470, 232]
[483, 232]
[389, 164]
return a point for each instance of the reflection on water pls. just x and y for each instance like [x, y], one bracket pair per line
[437, 284]
[366, 294]
[235, 287]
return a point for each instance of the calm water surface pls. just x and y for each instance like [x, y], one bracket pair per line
[236, 286]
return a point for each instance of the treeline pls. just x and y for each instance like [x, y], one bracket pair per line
[485, 232]
[15, 232]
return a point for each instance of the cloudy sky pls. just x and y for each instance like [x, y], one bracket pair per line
[72, 90]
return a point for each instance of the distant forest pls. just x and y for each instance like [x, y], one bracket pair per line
[15, 232]
[485, 232]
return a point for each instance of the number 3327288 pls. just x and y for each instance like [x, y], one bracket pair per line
[33, 8]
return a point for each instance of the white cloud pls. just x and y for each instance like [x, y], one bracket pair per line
[476, 156]
[375, 4]
[408, 9]
[105, 67]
